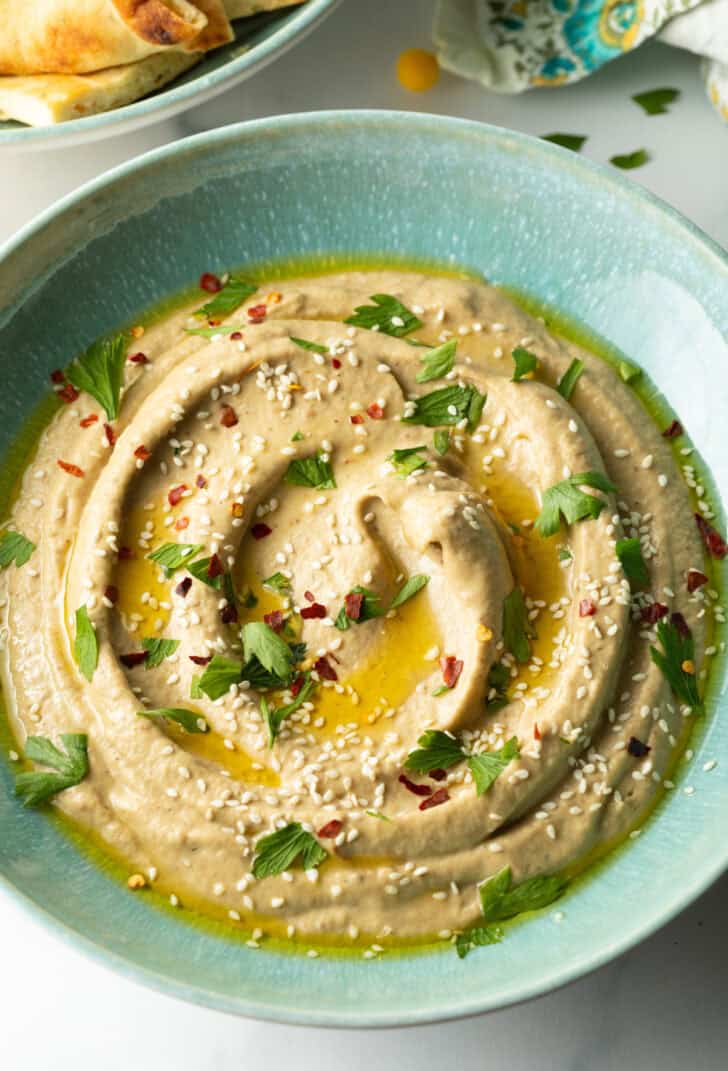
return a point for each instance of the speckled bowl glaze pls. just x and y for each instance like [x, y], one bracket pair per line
[526, 214]
[258, 40]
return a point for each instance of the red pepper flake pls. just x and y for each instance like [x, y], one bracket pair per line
[87, 421]
[181, 523]
[654, 612]
[68, 393]
[438, 774]
[229, 614]
[536, 731]
[183, 587]
[636, 748]
[353, 603]
[411, 786]
[139, 358]
[309, 595]
[72, 470]
[235, 336]
[110, 434]
[336, 362]
[716, 545]
[324, 669]
[375, 411]
[135, 658]
[215, 567]
[673, 431]
[441, 796]
[209, 282]
[297, 685]
[587, 608]
[260, 531]
[142, 453]
[257, 313]
[228, 416]
[200, 481]
[680, 624]
[316, 610]
[331, 829]
[200, 660]
[126, 554]
[274, 620]
[451, 668]
[696, 579]
[58, 376]
[111, 593]
[356, 418]
[174, 496]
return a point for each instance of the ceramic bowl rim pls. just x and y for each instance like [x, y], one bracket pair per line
[439, 126]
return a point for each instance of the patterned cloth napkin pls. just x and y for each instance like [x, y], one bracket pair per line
[512, 45]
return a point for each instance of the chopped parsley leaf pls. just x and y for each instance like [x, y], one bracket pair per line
[70, 767]
[629, 552]
[525, 363]
[99, 371]
[438, 362]
[191, 722]
[566, 499]
[311, 472]
[235, 291]
[448, 405]
[568, 381]
[387, 315]
[14, 547]
[278, 851]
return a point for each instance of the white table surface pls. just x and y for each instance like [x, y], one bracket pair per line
[662, 1006]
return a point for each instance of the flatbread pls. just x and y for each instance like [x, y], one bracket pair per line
[77, 36]
[46, 99]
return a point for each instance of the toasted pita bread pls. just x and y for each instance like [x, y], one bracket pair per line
[46, 99]
[77, 36]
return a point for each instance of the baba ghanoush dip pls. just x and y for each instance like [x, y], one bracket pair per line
[354, 607]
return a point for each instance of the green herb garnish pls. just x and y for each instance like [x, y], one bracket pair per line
[14, 547]
[629, 372]
[499, 678]
[311, 472]
[630, 160]
[219, 675]
[568, 380]
[500, 899]
[629, 552]
[379, 815]
[448, 405]
[517, 630]
[566, 141]
[277, 582]
[312, 347]
[191, 722]
[278, 851]
[70, 768]
[407, 461]
[370, 608]
[678, 650]
[211, 332]
[233, 294]
[477, 938]
[525, 363]
[172, 556]
[565, 554]
[158, 649]
[411, 586]
[438, 750]
[441, 441]
[85, 644]
[100, 372]
[274, 717]
[387, 315]
[270, 649]
[297, 437]
[655, 101]
[438, 362]
[567, 500]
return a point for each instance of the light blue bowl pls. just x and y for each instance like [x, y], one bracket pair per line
[258, 40]
[526, 214]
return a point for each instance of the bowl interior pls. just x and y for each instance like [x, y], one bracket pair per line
[258, 39]
[525, 214]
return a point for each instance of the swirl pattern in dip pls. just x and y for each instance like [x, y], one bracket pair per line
[583, 725]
